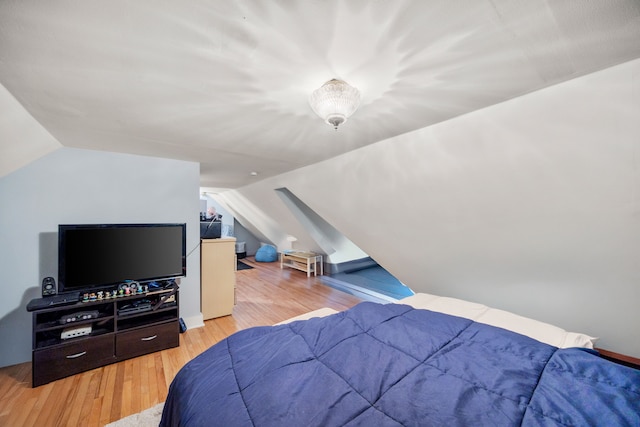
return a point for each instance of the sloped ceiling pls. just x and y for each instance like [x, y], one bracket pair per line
[226, 83]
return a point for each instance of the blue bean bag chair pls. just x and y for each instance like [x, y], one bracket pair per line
[267, 253]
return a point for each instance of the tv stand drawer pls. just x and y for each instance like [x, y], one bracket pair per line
[147, 340]
[77, 356]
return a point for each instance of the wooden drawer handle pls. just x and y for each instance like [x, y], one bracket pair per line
[149, 338]
[73, 356]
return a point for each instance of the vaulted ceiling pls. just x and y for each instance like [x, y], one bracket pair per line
[225, 83]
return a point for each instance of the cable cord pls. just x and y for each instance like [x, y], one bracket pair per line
[194, 248]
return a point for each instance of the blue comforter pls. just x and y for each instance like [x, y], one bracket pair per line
[392, 365]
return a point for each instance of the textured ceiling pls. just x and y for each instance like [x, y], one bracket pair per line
[226, 83]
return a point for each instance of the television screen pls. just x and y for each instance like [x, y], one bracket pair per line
[104, 255]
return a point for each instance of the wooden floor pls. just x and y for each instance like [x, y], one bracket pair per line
[265, 295]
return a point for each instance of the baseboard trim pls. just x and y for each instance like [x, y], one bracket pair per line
[360, 292]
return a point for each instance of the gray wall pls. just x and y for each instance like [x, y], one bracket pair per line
[82, 186]
[532, 205]
[243, 235]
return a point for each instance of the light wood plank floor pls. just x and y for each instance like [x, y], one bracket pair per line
[265, 295]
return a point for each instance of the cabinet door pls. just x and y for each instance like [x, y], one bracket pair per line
[217, 277]
[147, 340]
[79, 355]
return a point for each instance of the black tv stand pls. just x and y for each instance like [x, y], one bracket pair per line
[63, 349]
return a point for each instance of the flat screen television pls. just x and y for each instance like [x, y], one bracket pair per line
[100, 256]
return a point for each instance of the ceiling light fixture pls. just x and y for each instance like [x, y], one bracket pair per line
[335, 101]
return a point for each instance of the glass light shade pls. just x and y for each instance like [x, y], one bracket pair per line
[335, 101]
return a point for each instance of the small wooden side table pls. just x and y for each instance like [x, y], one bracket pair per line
[303, 261]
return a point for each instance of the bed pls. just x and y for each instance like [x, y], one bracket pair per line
[425, 361]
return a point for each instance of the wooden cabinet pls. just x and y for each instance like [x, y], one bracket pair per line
[115, 333]
[217, 277]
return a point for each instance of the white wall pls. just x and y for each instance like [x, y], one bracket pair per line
[335, 245]
[82, 186]
[532, 205]
[23, 138]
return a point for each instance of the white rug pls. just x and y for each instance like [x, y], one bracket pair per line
[147, 418]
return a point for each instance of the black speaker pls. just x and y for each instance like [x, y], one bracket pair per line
[48, 286]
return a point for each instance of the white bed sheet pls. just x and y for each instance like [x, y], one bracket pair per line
[541, 331]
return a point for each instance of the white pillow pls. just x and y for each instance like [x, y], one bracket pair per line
[543, 332]
[446, 305]
[540, 331]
